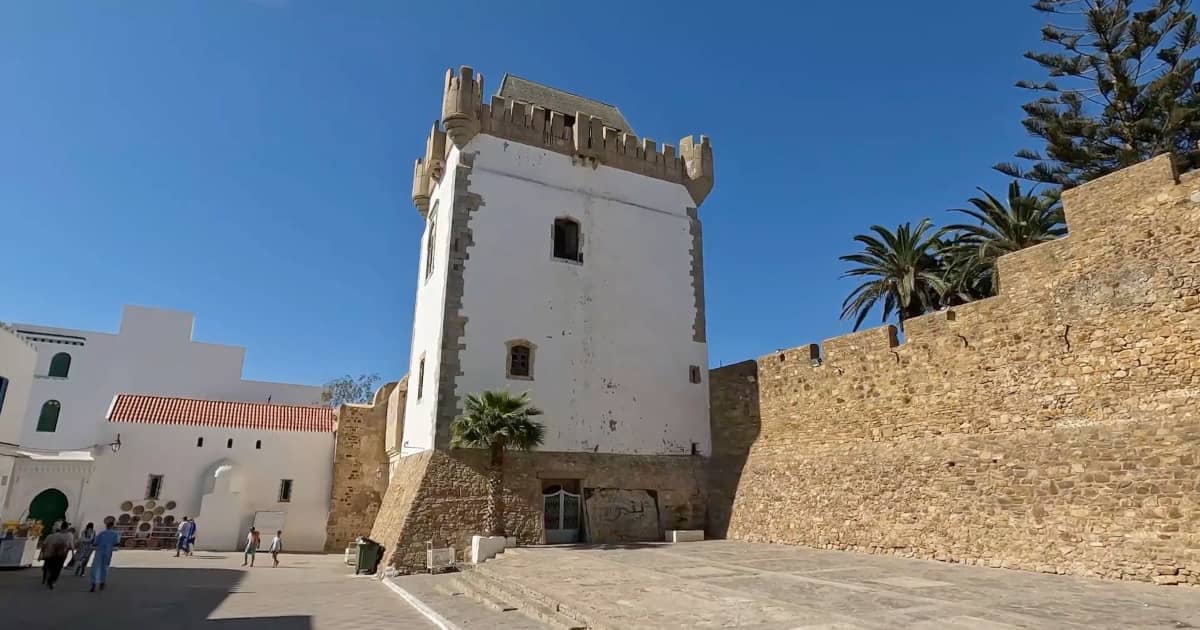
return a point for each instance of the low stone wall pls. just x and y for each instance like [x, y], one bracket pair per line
[440, 496]
[1054, 427]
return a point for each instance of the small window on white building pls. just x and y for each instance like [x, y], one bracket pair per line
[3, 391]
[285, 490]
[567, 240]
[520, 360]
[154, 486]
[199, 442]
[48, 418]
[229, 443]
[421, 378]
[694, 373]
[258, 445]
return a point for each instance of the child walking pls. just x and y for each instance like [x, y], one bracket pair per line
[276, 547]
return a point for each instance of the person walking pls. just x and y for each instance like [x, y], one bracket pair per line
[54, 554]
[182, 534]
[252, 542]
[106, 542]
[191, 536]
[276, 547]
[87, 541]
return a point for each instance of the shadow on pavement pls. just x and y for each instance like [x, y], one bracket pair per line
[135, 597]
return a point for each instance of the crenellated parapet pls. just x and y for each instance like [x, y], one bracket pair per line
[462, 102]
[428, 171]
[576, 134]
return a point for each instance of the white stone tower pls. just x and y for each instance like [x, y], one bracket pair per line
[561, 256]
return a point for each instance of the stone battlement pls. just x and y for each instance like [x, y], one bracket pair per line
[576, 134]
[1050, 428]
[1123, 210]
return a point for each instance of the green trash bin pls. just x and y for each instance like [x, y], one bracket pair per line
[369, 552]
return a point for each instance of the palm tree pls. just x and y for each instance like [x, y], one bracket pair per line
[497, 420]
[904, 272]
[1023, 220]
[968, 277]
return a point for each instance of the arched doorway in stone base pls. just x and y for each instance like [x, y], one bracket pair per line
[49, 507]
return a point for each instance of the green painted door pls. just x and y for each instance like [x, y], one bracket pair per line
[49, 507]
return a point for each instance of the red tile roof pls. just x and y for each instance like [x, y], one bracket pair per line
[219, 413]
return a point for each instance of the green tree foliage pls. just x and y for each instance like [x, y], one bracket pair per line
[914, 271]
[902, 270]
[497, 420]
[349, 389]
[1121, 88]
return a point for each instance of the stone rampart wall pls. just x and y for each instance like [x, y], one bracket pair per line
[360, 475]
[1053, 427]
[440, 496]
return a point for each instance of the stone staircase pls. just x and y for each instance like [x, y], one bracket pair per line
[501, 594]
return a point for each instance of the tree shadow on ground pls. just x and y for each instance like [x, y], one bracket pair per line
[136, 597]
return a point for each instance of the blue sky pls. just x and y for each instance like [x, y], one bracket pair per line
[251, 160]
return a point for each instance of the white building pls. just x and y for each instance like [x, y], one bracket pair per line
[65, 433]
[17, 359]
[219, 462]
[561, 256]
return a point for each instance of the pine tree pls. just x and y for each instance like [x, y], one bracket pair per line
[1121, 89]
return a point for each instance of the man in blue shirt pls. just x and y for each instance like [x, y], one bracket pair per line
[106, 542]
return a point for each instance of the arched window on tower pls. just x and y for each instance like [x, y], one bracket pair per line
[48, 418]
[60, 365]
[567, 240]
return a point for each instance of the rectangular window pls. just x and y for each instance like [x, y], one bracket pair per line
[3, 391]
[285, 490]
[154, 486]
[694, 373]
[421, 378]
[566, 240]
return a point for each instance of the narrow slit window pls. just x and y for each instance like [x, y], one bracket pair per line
[154, 486]
[229, 443]
[285, 490]
[694, 373]
[431, 241]
[567, 240]
[421, 378]
[199, 442]
[258, 445]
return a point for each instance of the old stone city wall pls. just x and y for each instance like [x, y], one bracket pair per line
[440, 496]
[360, 464]
[1052, 428]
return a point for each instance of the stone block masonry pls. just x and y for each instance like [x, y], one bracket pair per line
[440, 496]
[1054, 427]
[360, 476]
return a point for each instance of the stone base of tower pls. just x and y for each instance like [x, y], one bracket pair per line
[440, 496]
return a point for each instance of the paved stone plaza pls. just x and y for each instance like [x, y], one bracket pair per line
[719, 584]
[153, 589]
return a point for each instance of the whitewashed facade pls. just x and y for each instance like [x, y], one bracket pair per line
[152, 353]
[616, 350]
[17, 360]
[219, 463]
[65, 437]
